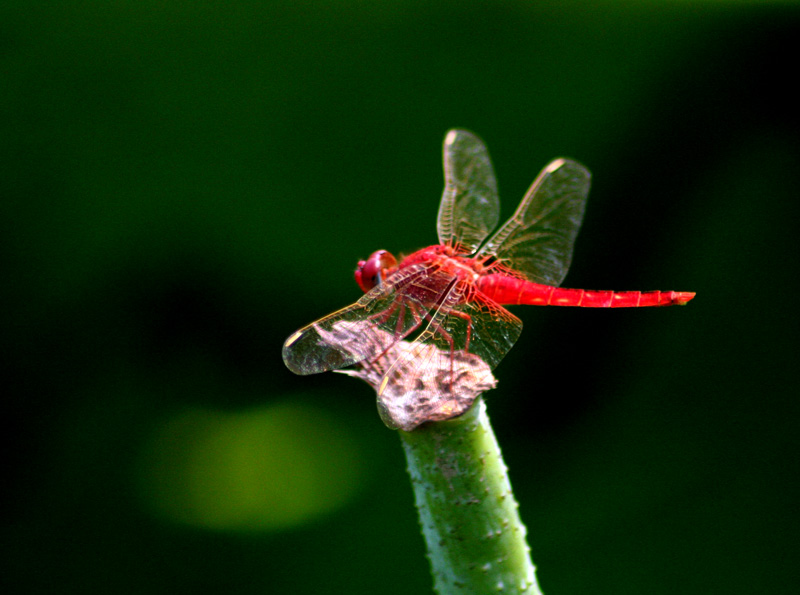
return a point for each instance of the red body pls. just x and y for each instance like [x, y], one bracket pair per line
[505, 288]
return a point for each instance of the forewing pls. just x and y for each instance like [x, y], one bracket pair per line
[470, 209]
[538, 240]
[440, 374]
[358, 332]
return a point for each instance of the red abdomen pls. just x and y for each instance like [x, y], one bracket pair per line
[508, 290]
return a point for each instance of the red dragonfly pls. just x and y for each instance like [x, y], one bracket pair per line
[449, 298]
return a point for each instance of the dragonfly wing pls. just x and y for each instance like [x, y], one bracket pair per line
[470, 209]
[439, 374]
[494, 329]
[363, 330]
[538, 240]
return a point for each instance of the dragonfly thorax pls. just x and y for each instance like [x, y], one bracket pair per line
[444, 257]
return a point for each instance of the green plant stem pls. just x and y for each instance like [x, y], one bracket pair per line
[476, 541]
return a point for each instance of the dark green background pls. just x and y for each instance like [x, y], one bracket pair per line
[183, 184]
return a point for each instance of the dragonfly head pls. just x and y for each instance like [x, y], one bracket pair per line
[373, 271]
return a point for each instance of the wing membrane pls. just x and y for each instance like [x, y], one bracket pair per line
[346, 337]
[470, 209]
[538, 240]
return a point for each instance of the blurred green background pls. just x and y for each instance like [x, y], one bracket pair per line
[183, 184]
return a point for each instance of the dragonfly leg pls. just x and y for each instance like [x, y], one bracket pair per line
[399, 331]
[383, 316]
[466, 317]
[444, 334]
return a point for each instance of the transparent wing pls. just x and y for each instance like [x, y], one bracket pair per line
[470, 209]
[396, 307]
[538, 240]
[440, 374]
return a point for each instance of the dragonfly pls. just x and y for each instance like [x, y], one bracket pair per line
[419, 318]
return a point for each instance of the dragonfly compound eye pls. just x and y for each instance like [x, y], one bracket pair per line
[372, 272]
